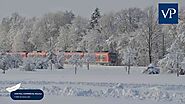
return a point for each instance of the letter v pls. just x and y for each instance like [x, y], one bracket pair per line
[165, 15]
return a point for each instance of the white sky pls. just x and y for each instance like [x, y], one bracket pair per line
[79, 7]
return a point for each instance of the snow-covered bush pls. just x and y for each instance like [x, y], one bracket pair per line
[151, 69]
[8, 61]
[76, 61]
[89, 58]
[28, 65]
[15, 60]
[40, 63]
[183, 64]
[182, 67]
[32, 63]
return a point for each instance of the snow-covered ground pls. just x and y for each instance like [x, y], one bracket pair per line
[99, 85]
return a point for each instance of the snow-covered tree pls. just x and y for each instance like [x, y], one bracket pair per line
[95, 17]
[51, 59]
[124, 26]
[78, 31]
[71, 34]
[118, 43]
[4, 65]
[16, 23]
[8, 28]
[128, 20]
[21, 39]
[109, 30]
[60, 60]
[172, 61]
[64, 39]
[151, 33]
[129, 57]
[4, 41]
[47, 29]
[95, 38]
[89, 58]
[76, 61]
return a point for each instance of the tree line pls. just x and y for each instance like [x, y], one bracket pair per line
[133, 33]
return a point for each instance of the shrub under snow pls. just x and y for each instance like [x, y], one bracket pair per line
[151, 69]
[8, 61]
[15, 60]
[32, 63]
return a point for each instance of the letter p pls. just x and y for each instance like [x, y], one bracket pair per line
[171, 13]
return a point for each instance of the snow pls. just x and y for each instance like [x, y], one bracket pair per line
[100, 85]
[151, 69]
[83, 100]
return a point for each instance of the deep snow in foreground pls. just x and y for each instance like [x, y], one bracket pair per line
[100, 85]
[83, 100]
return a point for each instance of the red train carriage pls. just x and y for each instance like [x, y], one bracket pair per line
[106, 58]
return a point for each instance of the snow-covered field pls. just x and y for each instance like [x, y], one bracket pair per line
[99, 85]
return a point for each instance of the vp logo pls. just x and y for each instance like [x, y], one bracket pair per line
[172, 11]
[168, 13]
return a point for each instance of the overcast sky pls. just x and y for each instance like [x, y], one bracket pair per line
[79, 7]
